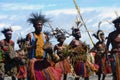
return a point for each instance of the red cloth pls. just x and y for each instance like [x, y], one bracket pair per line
[22, 72]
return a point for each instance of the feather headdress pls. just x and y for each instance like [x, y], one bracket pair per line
[37, 17]
[6, 30]
[99, 33]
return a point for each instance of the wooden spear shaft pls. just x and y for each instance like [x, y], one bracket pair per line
[78, 10]
[50, 26]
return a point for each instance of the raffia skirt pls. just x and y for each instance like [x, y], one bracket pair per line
[64, 65]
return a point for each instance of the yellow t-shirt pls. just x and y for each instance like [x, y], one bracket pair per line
[39, 45]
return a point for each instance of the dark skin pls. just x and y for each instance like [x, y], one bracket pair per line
[60, 46]
[9, 57]
[7, 40]
[38, 26]
[76, 42]
[114, 39]
[38, 29]
[100, 46]
[8, 37]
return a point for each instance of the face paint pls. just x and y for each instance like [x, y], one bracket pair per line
[8, 33]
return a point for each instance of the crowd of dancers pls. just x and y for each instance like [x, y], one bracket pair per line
[38, 59]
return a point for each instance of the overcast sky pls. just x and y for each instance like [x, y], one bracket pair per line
[62, 14]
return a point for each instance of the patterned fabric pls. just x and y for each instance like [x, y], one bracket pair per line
[64, 65]
[44, 71]
[52, 73]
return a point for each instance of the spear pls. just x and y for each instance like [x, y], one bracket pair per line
[78, 10]
[50, 26]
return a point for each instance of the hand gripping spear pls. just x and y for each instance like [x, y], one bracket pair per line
[78, 10]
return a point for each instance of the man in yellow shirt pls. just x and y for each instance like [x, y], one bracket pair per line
[37, 40]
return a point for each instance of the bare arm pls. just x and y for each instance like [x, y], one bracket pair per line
[55, 49]
[108, 42]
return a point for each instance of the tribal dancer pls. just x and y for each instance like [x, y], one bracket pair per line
[21, 55]
[114, 40]
[100, 58]
[79, 54]
[7, 45]
[63, 62]
[39, 66]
